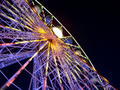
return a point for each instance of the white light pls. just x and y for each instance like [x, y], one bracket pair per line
[58, 32]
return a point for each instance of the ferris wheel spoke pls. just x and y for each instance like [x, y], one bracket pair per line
[7, 79]
[91, 73]
[9, 59]
[15, 15]
[11, 28]
[18, 5]
[29, 32]
[17, 20]
[65, 68]
[53, 72]
[73, 59]
[17, 10]
[33, 17]
[21, 48]
[51, 83]
[28, 11]
[56, 81]
[74, 69]
[28, 36]
[84, 65]
[58, 72]
[13, 33]
[46, 69]
[21, 42]
[14, 22]
[71, 72]
[34, 77]
[39, 73]
[30, 84]
[38, 67]
[52, 69]
[48, 58]
[43, 64]
[11, 80]
[61, 72]
[71, 75]
[4, 49]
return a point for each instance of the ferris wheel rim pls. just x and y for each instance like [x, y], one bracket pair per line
[77, 46]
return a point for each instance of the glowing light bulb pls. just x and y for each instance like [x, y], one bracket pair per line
[58, 32]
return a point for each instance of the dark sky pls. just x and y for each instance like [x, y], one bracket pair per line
[95, 25]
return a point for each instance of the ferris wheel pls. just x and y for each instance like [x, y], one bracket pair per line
[38, 49]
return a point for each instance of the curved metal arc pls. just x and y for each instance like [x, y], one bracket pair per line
[71, 36]
[65, 30]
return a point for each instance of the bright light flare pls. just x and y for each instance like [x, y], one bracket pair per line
[58, 32]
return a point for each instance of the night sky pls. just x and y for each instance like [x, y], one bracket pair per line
[95, 25]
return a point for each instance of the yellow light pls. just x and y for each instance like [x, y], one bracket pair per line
[41, 30]
[58, 32]
[78, 52]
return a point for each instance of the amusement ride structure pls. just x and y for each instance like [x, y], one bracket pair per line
[30, 36]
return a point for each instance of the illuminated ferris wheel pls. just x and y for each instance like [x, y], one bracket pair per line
[33, 41]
